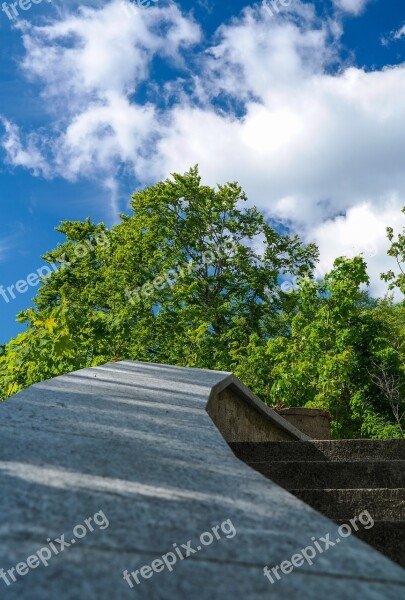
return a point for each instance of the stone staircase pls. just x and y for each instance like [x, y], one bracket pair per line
[340, 479]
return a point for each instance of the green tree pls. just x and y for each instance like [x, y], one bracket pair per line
[339, 354]
[182, 280]
[397, 250]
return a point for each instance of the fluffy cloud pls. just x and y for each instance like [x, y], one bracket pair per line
[354, 7]
[361, 231]
[90, 65]
[29, 156]
[400, 33]
[318, 149]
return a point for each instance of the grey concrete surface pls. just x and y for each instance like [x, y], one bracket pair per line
[326, 450]
[315, 422]
[135, 441]
[341, 479]
[335, 474]
[383, 503]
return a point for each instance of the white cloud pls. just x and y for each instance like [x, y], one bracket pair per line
[89, 66]
[400, 33]
[112, 185]
[29, 157]
[320, 151]
[362, 231]
[309, 140]
[393, 36]
[8, 243]
[311, 146]
[354, 7]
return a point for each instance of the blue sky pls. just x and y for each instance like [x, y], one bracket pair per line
[305, 108]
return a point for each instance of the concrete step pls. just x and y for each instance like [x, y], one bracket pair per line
[388, 537]
[341, 479]
[383, 504]
[323, 450]
[337, 475]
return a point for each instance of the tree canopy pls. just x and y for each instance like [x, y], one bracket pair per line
[192, 277]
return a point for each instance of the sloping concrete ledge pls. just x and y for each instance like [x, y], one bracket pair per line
[242, 417]
[135, 441]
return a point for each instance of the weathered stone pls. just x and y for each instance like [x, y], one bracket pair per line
[312, 421]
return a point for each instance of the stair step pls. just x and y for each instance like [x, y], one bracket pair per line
[383, 504]
[322, 450]
[387, 537]
[341, 479]
[332, 474]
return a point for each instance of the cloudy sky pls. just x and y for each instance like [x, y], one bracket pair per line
[302, 102]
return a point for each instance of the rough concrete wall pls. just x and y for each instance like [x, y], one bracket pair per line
[313, 422]
[240, 422]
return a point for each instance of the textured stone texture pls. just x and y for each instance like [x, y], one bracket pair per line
[383, 503]
[387, 537]
[312, 421]
[337, 474]
[335, 450]
[243, 417]
[135, 441]
[341, 479]
[240, 422]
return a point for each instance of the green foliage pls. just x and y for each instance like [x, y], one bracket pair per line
[397, 251]
[102, 306]
[344, 353]
[181, 281]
